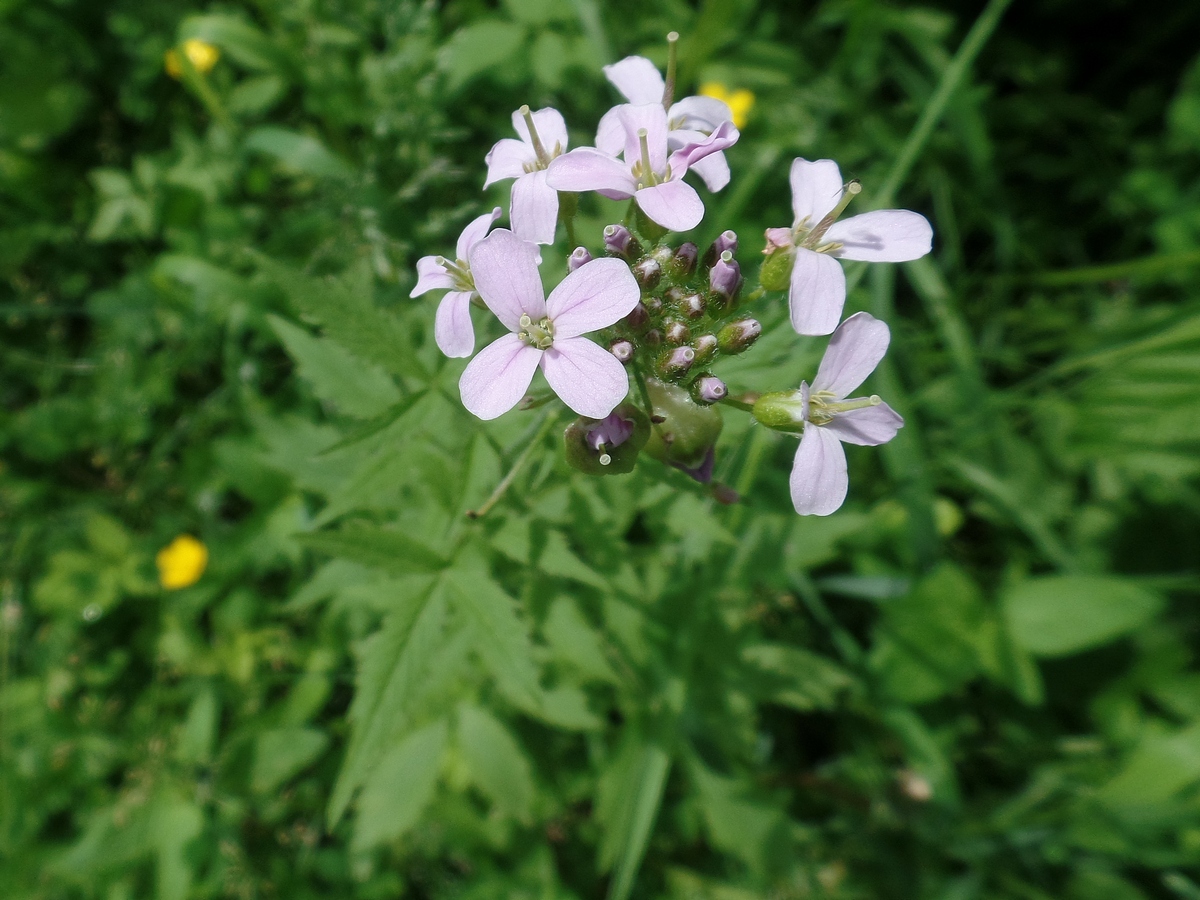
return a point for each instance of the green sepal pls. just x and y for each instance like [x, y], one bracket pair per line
[780, 410]
[687, 429]
[776, 271]
[582, 457]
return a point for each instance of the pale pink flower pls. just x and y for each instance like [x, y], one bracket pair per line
[817, 291]
[546, 331]
[533, 210]
[819, 480]
[452, 327]
[646, 171]
[689, 121]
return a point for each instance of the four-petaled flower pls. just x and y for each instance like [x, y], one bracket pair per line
[533, 210]
[546, 331]
[647, 173]
[689, 120]
[452, 327]
[819, 479]
[817, 290]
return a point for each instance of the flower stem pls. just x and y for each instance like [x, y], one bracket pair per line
[672, 60]
[517, 466]
[737, 404]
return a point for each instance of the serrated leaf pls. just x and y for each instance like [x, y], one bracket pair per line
[498, 765]
[400, 788]
[576, 642]
[393, 551]
[1060, 614]
[557, 559]
[334, 374]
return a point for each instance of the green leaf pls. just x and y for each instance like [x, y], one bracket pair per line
[1060, 614]
[476, 48]
[302, 154]
[735, 823]
[498, 764]
[576, 642]
[400, 788]
[241, 40]
[393, 551]
[281, 753]
[334, 375]
[627, 804]
[256, 96]
[1160, 767]
[797, 678]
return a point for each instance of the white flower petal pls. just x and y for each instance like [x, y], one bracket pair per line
[508, 159]
[452, 328]
[819, 480]
[637, 79]
[592, 297]
[713, 171]
[585, 376]
[853, 353]
[587, 169]
[816, 189]
[475, 232]
[674, 205]
[817, 293]
[551, 129]
[505, 269]
[534, 208]
[653, 118]
[699, 113]
[498, 377]
[430, 276]
[885, 235]
[610, 133]
[868, 427]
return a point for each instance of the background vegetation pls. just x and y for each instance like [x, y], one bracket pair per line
[977, 680]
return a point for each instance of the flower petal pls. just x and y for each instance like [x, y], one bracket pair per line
[452, 328]
[534, 209]
[474, 232]
[587, 169]
[508, 159]
[853, 353]
[885, 235]
[674, 205]
[551, 129]
[723, 138]
[506, 275]
[869, 427]
[699, 114]
[637, 79]
[817, 293]
[497, 378]
[592, 297]
[610, 133]
[653, 118]
[585, 376]
[816, 189]
[430, 276]
[819, 480]
[713, 171]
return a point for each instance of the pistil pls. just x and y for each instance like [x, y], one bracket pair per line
[538, 148]
[647, 172]
[672, 55]
[848, 193]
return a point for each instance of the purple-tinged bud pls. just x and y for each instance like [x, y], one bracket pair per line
[674, 363]
[725, 277]
[726, 240]
[622, 350]
[648, 272]
[677, 333]
[706, 347]
[684, 261]
[653, 305]
[653, 337]
[708, 388]
[692, 306]
[619, 241]
[738, 336]
[579, 257]
[611, 431]
[638, 317]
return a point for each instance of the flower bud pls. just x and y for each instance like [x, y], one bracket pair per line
[653, 337]
[725, 277]
[653, 305]
[726, 240]
[673, 363]
[622, 350]
[619, 241]
[737, 336]
[647, 272]
[579, 257]
[706, 347]
[677, 332]
[638, 317]
[708, 388]
[693, 306]
[684, 262]
[607, 446]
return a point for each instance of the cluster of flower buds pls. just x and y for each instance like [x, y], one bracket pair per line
[660, 313]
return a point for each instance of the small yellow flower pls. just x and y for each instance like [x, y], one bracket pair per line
[201, 54]
[181, 562]
[740, 102]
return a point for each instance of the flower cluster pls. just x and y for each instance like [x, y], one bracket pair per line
[654, 312]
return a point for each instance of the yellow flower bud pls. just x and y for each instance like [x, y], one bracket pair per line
[201, 54]
[740, 102]
[181, 562]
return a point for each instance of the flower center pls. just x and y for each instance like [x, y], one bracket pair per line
[810, 238]
[823, 406]
[642, 171]
[459, 271]
[539, 334]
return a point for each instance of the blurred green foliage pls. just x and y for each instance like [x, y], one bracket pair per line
[978, 680]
